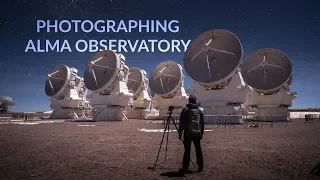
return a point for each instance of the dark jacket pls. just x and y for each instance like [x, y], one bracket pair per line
[183, 118]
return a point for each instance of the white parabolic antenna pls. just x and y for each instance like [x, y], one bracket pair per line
[5, 100]
[101, 71]
[266, 70]
[138, 84]
[135, 81]
[57, 82]
[106, 75]
[67, 92]
[213, 57]
[166, 78]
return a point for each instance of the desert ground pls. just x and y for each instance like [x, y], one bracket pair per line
[121, 150]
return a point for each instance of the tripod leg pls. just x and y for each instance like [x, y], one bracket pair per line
[155, 164]
[171, 118]
[165, 157]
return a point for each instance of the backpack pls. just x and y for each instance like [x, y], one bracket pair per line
[193, 127]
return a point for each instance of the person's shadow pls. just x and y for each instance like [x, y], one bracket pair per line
[176, 173]
[316, 170]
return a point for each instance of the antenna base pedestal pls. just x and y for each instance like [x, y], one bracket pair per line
[110, 107]
[120, 96]
[136, 113]
[64, 103]
[271, 114]
[68, 100]
[67, 113]
[178, 102]
[108, 113]
[221, 101]
[71, 107]
[140, 106]
[270, 107]
[143, 101]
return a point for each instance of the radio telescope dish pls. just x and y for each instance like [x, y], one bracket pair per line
[213, 57]
[101, 70]
[165, 78]
[135, 80]
[267, 69]
[6, 100]
[57, 81]
[67, 92]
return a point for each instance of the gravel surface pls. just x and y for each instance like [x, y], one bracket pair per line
[117, 150]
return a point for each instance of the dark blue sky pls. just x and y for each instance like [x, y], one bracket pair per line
[290, 26]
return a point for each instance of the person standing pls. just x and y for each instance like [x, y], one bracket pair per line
[191, 125]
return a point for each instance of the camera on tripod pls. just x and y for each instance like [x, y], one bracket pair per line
[170, 109]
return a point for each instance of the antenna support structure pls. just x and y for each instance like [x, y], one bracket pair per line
[138, 83]
[166, 81]
[68, 94]
[268, 75]
[212, 60]
[106, 75]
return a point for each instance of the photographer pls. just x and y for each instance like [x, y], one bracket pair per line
[192, 127]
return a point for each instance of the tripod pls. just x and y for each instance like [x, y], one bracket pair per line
[167, 128]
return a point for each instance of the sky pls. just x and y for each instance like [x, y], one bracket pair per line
[290, 26]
